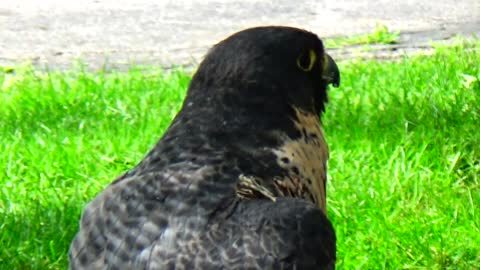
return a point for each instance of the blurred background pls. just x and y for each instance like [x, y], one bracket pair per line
[119, 33]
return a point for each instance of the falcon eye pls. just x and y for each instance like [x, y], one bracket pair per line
[306, 61]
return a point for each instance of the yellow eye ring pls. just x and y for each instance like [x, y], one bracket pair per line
[308, 66]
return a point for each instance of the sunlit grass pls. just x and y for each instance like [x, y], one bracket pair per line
[380, 35]
[405, 163]
[403, 187]
[64, 137]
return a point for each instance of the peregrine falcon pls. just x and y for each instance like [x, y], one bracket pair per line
[238, 179]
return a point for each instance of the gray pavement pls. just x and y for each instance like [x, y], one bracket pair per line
[118, 33]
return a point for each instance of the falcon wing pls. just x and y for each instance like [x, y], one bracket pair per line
[141, 221]
[287, 233]
[146, 222]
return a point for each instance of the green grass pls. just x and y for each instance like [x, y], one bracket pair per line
[403, 189]
[381, 35]
[64, 137]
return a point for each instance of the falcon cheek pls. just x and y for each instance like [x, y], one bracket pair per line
[305, 158]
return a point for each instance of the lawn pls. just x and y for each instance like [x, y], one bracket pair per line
[404, 173]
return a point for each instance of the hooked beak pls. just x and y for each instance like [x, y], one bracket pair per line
[331, 74]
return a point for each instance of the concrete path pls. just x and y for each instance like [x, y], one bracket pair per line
[118, 33]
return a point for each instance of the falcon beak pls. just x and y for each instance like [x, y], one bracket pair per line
[331, 74]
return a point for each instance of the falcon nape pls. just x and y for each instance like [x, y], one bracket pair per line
[238, 179]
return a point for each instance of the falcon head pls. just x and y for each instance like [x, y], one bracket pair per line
[267, 66]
